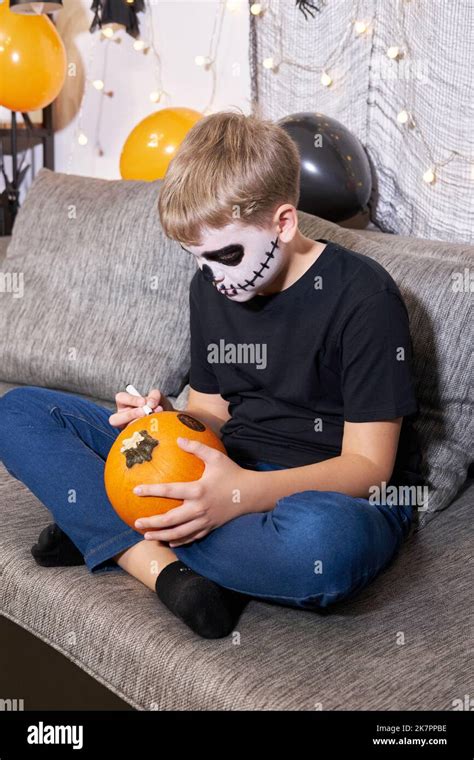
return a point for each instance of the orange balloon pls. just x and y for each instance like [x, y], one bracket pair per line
[152, 144]
[32, 61]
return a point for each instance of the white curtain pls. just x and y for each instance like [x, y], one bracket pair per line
[431, 79]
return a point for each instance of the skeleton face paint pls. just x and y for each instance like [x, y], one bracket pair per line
[239, 261]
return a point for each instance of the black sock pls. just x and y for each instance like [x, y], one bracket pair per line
[207, 608]
[55, 549]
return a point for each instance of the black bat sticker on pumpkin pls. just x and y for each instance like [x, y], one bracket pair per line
[138, 448]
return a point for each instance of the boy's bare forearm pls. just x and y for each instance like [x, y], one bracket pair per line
[350, 474]
[215, 423]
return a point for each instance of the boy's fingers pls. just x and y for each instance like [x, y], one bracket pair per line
[129, 407]
[154, 395]
[126, 399]
[123, 418]
[117, 419]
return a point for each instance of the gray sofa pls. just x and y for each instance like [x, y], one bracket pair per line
[400, 644]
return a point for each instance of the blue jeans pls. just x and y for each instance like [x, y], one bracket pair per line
[312, 549]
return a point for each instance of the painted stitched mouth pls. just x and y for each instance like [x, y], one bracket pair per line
[232, 289]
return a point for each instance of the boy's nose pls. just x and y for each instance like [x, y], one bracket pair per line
[211, 276]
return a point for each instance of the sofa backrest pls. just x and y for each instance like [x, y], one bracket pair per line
[104, 297]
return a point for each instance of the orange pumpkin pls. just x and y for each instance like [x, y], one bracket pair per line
[146, 451]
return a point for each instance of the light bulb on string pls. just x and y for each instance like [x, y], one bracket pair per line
[203, 60]
[360, 27]
[429, 176]
[403, 117]
[393, 52]
[256, 9]
[99, 85]
[155, 96]
[82, 139]
[141, 47]
[269, 63]
[107, 34]
[326, 80]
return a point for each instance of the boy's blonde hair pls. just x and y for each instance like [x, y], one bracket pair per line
[229, 168]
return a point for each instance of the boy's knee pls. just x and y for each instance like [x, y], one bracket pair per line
[11, 402]
[11, 396]
[17, 398]
[312, 518]
[20, 403]
[321, 543]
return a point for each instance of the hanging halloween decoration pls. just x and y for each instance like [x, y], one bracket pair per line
[336, 180]
[306, 6]
[116, 14]
[146, 451]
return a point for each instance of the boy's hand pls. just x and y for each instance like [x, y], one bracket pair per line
[129, 407]
[218, 496]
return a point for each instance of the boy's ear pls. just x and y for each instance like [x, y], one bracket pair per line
[286, 219]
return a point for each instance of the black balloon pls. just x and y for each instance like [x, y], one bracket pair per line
[336, 181]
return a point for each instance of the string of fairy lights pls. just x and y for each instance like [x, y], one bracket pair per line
[159, 94]
[356, 25]
[395, 53]
[109, 34]
[208, 62]
[406, 116]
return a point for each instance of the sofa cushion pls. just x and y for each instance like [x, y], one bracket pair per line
[438, 299]
[105, 295]
[401, 644]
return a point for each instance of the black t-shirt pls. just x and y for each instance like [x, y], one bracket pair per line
[295, 365]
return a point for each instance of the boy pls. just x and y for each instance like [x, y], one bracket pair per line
[300, 362]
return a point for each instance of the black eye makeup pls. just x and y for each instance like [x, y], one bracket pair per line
[229, 256]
